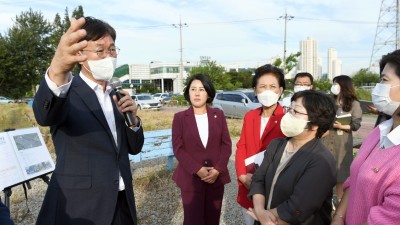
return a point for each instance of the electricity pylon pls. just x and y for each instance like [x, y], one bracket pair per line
[387, 36]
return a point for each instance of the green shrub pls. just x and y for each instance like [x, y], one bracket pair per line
[363, 94]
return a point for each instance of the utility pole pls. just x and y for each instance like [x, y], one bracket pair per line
[286, 18]
[387, 36]
[179, 82]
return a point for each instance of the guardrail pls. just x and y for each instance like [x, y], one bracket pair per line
[157, 144]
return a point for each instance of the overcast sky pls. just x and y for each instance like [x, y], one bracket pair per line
[229, 31]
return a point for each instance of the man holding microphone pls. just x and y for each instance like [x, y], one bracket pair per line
[92, 181]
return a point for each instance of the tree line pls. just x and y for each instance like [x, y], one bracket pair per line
[26, 50]
[242, 79]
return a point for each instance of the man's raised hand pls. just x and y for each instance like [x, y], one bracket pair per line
[66, 55]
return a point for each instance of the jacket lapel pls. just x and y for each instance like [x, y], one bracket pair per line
[88, 96]
[256, 130]
[192, 126]
[272, 122]
[213, 126]
[307, 147]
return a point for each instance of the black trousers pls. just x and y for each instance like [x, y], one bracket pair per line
[122, 214]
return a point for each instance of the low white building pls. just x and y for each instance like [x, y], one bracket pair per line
[165, 75]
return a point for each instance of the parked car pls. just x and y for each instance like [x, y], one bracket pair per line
[4, 100]
[25, 100]
[236, 103]
[166, 100]
[146, 101]
[160, 96]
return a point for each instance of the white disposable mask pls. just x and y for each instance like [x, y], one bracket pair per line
[381, 99]
[102, 69]
[292, 126]
[335, 89]
[268, 98]
[298, 88]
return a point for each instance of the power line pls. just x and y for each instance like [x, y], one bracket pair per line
[260, 20]
[336, 21]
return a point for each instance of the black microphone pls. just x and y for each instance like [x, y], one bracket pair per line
[116, 84]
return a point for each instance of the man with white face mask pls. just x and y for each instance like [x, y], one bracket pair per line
[302, 81]
[92, 181]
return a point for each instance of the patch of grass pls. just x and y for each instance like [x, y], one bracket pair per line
[14, 116]
[234, 127]
[153, 181]
[19, 116]
[156, 120]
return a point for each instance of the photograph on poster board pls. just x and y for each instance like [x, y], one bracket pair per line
[23, 156]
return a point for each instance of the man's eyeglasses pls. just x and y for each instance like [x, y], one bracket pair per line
[302, 84]
[103, 53]
[293, 111]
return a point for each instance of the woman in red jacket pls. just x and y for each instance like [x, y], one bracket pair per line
[260, 126]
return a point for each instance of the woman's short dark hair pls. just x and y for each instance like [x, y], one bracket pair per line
[208, 86]
[393, 59]
[347, 92]
[321, 109]
[270, 69]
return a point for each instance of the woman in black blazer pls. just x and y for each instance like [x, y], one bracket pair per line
[295, 180]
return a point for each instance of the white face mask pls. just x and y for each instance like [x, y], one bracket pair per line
[381, 99]
[102, 69]
[298, 88]
[268, 98]
[335, 89]
[292, 126]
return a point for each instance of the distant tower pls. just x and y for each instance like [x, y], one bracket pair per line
[309, 57]
[334, 64]
[387, 32]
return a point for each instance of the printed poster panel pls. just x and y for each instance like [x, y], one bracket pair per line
[24, 156]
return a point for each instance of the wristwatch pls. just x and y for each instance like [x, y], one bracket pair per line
[138, 124]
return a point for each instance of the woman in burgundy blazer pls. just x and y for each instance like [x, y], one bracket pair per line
[202, 146]
[268, 84]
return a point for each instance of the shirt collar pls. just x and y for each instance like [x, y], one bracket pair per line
[93, 85]
[388, 137]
